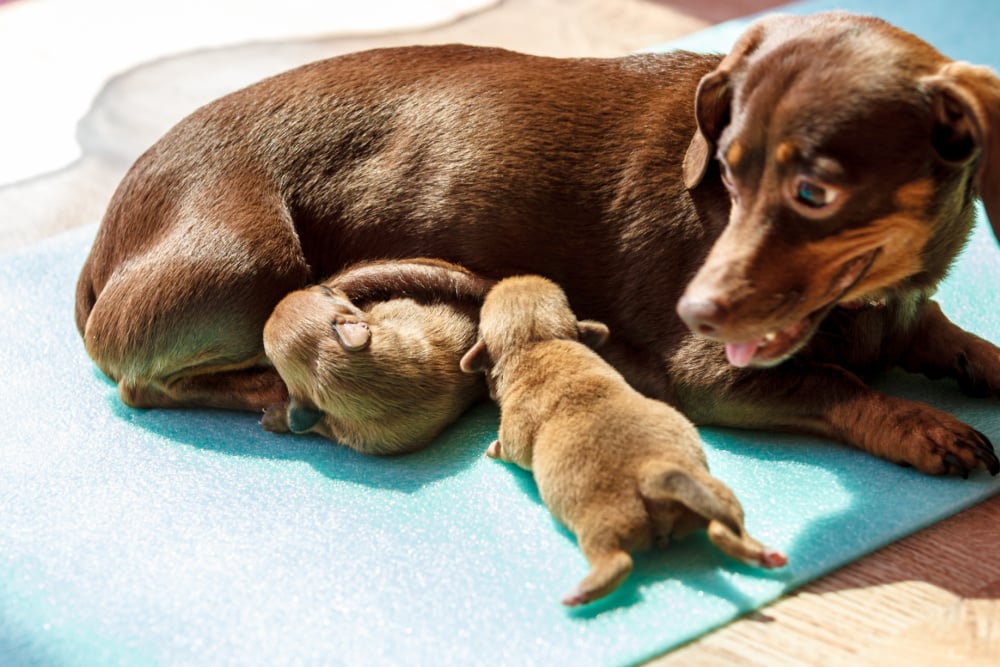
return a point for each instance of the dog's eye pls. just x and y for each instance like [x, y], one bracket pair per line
[813, 194]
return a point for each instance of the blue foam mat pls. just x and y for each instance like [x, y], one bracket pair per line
[193, 537]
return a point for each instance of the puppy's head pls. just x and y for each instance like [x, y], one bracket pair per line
[523, 310]
[306, 327]
[852, 152]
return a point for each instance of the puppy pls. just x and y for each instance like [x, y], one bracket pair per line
[762, 231]
[620, 470]
[384, 380]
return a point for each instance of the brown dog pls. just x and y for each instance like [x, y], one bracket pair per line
[620, 470]
[853, 153]
[383, 380]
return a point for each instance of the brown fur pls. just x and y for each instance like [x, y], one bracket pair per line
[383, 380]
[620, 470]
[601, 175]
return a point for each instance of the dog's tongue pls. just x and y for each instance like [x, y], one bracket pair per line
[741, 354]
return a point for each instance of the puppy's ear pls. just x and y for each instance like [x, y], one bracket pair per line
[966, 105]
[353, 335]
[713, 100]
[592, 334]
[476, 359]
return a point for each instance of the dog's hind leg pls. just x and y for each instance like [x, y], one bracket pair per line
[180, 323]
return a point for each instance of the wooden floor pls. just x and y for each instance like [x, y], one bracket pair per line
[932, 599]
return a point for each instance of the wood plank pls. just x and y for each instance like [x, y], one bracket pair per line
[945, 578]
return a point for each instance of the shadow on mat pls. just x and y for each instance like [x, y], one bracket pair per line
[874, 502]
[239, 434]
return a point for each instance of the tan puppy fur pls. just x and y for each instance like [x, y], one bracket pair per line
[384, 380]
[620, 470]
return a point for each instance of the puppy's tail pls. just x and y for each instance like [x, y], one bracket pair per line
[709, 498]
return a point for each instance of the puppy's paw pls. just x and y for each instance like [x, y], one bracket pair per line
[575, 598]
[936, 443]
[275, 418]
[771, 559]
[493, 451]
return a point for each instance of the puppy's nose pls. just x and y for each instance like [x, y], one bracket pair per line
[702, 315]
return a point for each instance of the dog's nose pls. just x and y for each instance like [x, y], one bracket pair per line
[701, 314]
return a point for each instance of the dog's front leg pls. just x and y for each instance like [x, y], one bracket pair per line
[827, 400]
[939, 348]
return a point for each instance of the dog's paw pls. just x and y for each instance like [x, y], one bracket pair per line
[938, 444]
[979, 376]
[275, 418]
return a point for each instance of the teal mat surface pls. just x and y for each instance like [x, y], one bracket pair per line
[193, 537]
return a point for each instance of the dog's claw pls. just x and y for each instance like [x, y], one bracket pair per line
[955, 465]
[987, 455]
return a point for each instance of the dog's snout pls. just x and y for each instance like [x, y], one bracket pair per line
[702, 315]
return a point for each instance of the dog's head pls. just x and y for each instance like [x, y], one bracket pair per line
[522, 310]
[852, 152]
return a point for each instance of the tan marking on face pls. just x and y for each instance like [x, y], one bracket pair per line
[900, 238]
[915, 195]
[734, 154]
[785, 152]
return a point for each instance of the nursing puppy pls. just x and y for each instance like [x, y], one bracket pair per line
[620, 470]
[762, 231]
[379, 372]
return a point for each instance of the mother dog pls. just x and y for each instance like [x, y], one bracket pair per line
[716, 212]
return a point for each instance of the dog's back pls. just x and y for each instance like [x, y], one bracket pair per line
[477, 156]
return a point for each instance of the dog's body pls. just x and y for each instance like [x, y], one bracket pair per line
[378, 370]
[622, 471]
[851, 187]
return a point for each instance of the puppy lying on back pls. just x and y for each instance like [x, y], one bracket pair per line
[370, 357]
[620, 470]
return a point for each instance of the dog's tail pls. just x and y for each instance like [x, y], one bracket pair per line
[712, 500]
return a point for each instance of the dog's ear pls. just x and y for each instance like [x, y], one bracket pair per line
[965, 100]
[476, 359]
[711, 109]
[592, 334]
[713, 100]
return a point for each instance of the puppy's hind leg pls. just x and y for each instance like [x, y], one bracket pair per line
[712, 500]
[610, 565]
[744, 548]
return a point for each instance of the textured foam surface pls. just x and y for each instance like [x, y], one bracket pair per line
[193, 537]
